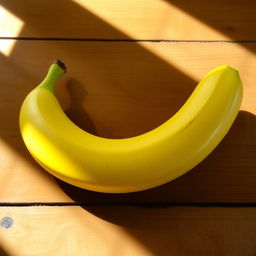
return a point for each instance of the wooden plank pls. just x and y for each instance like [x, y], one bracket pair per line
[135, 19]
[120, 89]
[127, 231]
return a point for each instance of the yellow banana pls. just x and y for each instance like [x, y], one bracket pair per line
[130, 164]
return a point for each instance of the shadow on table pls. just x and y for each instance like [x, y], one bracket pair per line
[3, 252]
[76, 111]
[142, 76]
[152, 90]
[226, 175]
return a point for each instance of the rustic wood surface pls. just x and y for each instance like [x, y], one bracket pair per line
[126, 231]
[133, 19]
[131, 66]
[121, 89]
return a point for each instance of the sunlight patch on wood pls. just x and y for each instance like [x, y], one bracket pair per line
[187, 60]
[161, 19]
[10, 26]
[65, 231]
[34, 184]
[169, 21]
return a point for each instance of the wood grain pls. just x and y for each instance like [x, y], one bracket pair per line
[136, 19]
[128, 231]
[120, 89]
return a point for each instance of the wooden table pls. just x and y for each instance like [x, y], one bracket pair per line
[131, 65]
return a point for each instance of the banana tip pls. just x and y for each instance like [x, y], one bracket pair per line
[230, 68]
[60, 64]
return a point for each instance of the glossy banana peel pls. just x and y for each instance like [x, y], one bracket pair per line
[132, 164]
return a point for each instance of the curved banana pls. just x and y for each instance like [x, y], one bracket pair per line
[131, 164]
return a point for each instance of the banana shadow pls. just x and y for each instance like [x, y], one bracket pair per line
[76, 112]
[3, 252]
[235, 162]
[144, 227]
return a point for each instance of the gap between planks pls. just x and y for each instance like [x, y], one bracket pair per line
[126, 40]
[153, 205]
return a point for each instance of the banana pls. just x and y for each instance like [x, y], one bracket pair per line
[131, 164]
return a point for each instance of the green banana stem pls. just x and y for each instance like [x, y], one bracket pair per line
[56, 70]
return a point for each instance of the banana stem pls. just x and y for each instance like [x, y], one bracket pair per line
[56, 70]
